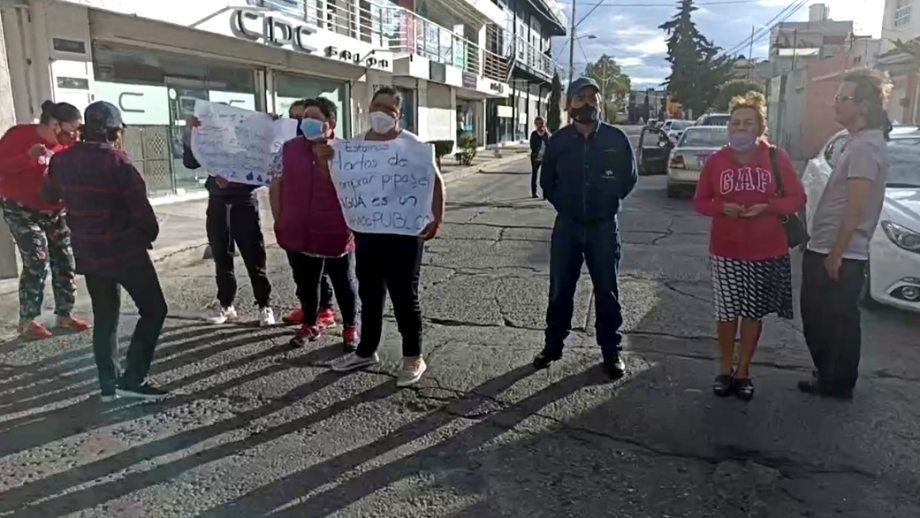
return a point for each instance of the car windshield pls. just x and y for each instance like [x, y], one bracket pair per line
[904, 162]
[681, 125]
[716, 120]
[704, 137]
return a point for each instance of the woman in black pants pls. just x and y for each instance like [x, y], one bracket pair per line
[539, 139]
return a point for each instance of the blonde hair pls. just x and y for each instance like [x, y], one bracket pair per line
[755, 101]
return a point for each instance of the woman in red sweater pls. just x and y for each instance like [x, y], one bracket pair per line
[38, 227]
[751, 273]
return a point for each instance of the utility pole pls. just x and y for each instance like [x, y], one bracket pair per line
[795, 47]
[751, 56]
[572, 45]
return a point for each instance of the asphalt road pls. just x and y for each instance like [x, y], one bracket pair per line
[255, 428]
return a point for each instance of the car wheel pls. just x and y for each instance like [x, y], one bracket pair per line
[865, 298]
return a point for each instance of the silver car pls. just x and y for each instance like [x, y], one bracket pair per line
[693, 149]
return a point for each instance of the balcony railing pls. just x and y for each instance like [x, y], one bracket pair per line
[393, 28]
[531, 57]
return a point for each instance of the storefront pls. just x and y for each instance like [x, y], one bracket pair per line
[468, 117]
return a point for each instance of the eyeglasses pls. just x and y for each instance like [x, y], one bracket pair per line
[844, 98]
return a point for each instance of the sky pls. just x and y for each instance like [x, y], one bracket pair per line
[630, 33]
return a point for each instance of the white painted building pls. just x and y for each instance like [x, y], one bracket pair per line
[153, 59]
[901, 21]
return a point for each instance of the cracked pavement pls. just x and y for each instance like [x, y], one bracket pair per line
[255, 428]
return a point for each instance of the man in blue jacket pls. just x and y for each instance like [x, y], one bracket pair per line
[588, 168]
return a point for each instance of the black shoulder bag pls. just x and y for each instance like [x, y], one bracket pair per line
[796, 233]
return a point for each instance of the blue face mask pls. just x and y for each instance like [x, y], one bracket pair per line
[312, 129]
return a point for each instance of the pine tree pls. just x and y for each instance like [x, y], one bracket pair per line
[697, 70]
[554, 117]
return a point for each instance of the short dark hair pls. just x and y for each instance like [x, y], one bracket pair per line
[330, 107]
[301, 103]
[61, 112]
[872, 88]
[392, 92]
[101, 135]
[320, 105]
[538, 119]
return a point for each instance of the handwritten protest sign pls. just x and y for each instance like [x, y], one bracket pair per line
[384, 187]
[238, 144]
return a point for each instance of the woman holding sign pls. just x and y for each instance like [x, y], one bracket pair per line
[389, 262]
[309, 224]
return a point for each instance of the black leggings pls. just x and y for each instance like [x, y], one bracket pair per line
[308, 272]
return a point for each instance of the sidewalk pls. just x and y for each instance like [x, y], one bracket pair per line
[183, 240]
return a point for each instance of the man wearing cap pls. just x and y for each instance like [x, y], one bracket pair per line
[112, 226]
[588, 168]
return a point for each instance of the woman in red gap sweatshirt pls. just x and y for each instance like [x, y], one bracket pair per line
[38, 227]
[751, 273]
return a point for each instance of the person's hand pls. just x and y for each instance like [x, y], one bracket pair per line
[274, 116]
[192, 122]
[221, 182]
[323, 152]
[732, 210]
[431, 231]
[38, 150]
[832, 264]
[754, 210]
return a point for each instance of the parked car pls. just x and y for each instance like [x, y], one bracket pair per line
[652, 151]
[676, 129]
[893, 276]
[693, 149]
[714, 119]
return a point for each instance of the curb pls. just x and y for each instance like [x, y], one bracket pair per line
[469, 171]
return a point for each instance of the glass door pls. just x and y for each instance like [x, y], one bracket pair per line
[183, 93]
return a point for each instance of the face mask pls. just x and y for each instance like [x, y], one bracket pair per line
[743, 141]
[312, 129]
[586, 114]
[382, 123]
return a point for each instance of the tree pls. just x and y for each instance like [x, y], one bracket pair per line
[734, 88]
[614, 84]
[553, 116]
[697, 69]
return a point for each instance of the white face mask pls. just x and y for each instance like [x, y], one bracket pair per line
[382, 123]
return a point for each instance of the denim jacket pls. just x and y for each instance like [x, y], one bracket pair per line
[586, 178]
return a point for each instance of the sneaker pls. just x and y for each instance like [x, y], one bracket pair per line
[813, 387]
[32, 330]
[350, 338]
[109, 395]
[224, 315]
[615, 367]
[412, 371]
[544, 360]
[352, 361]
[73, 324]
[325, 319]
[294, 318]
[306, 334]
[145, 390]
[266, 317]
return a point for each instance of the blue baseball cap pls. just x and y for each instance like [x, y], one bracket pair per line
[580, 84]
[102, 116]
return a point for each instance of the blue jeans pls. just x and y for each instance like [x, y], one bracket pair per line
[574, 244]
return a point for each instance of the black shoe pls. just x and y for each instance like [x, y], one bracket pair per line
[723, 385]
[544, 360]
[615, 367]
[744, 388]
[813, 387]
[143, 391]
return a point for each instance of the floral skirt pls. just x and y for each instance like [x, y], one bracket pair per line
[751, 289]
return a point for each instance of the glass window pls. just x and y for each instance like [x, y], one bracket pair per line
[904, 163]
[290, 88]
[704, 137]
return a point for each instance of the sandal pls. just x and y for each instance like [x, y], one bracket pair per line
[744, 388]
[722, 386]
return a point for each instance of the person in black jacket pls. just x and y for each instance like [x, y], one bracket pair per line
[539, 139]
[588, 169]
[232, 220]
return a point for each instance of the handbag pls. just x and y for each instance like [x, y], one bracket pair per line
[796, 232]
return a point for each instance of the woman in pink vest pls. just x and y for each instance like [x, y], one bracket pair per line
[310, 226]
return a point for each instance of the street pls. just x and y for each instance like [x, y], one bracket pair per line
[255, 428]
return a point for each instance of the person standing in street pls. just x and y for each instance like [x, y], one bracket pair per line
[113, 228]
[539, 138]
[739, 189]
[325, 319]
[39, 228]
[391, 263]
[232, 220]
[834, 265]
[588, 169]
[310, 226]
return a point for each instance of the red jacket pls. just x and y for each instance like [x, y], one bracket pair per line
[22, 178]
[725, 180]
[311, 220]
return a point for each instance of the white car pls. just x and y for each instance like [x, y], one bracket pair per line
[687, 159]
[675, 129]
[893, 276]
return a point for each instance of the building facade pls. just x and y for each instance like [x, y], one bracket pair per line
[155, 59]
[901, 21]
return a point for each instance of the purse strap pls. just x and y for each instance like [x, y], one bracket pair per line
[777, 172]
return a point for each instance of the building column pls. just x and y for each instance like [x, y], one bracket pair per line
[8, 267]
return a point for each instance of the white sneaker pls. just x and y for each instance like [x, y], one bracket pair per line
[266, 317]
[412, 371]
[224, 315]
[351, 362]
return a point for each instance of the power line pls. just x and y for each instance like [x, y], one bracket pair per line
[633, 5]
[786, 13]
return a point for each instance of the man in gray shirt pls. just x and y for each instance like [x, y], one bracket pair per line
[842, 227]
